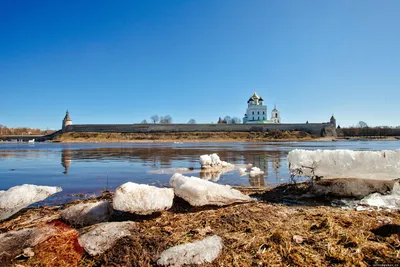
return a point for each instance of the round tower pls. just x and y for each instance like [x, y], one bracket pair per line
[333, 121]
[66, 121]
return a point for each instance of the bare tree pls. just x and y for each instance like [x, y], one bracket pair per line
[144, 122]
[236, 120]
[362, 124]
[155, 118]
[228, 119]
[192, 121]
[166, 119]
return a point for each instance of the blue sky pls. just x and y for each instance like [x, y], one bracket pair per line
[123, 61]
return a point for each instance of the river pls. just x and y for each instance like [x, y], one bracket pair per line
[84, 169]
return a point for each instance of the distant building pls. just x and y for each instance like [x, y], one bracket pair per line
[256, 111]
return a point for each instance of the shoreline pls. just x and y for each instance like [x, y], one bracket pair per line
[264, 232]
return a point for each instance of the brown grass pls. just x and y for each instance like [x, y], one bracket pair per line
[254, 234]
[184, 136]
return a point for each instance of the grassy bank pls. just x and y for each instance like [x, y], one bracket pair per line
[254, 234]
[185, 136]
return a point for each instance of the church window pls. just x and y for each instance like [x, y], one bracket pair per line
[258, 112]
[263, 118]
[258, 118]
[253, 112]
[263, 112]
[276, 115]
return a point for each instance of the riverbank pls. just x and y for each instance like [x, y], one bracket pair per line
[185, 137]
[260, 233]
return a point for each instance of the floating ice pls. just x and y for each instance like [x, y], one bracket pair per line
[198, 252]
[87, 213]
[199, 192]
[380, 165]
[104, 236]
[213, 161]
[19, 197]
[142, 199]
[251, 171]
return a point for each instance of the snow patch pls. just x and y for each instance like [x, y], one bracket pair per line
[198, 252]
[142, 199]
[380, 165]
[19, 197]
[199, 192]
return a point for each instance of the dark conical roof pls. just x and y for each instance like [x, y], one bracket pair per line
[67, 117]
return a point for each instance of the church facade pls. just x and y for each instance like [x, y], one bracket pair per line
[256, 111]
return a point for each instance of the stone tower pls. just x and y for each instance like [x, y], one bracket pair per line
[333, 121]
[66, 121]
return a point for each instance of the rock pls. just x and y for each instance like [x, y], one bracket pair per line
[14, 242]
[298, 239]
[142, 199]
[104, 236]
[198, 252]
[213, 161]
[199, 192]
[19, 197]
[345, 187]
[87, 213]
[376, 165]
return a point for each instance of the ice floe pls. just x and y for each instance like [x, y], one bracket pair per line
[213, 161]
[199, 192]
[104, 235]
[142, 199]
[19, 197]
[87, 213]
[380, 165]
[197, 252]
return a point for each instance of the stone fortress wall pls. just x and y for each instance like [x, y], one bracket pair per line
[312, 128]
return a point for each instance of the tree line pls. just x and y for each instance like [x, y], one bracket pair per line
[362, 129]
[4, 130]
[168, 119]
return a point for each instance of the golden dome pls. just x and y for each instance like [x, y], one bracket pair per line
[255, 96]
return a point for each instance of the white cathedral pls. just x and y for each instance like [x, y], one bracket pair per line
[257, 112]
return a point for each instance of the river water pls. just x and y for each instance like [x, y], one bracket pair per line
[83, 169]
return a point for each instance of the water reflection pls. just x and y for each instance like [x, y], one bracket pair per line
[164, 158]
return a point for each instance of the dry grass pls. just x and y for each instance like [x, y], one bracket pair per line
[184, 136]
[254, 234]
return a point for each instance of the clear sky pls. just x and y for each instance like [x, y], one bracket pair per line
[123, 61]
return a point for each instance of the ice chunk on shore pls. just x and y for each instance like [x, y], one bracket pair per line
[380, 165]
[199, 192]
[198, 252]
[104, 236]
[87, 213]
[19, 197]
[390, 201]
[142, 199]
[213, 161]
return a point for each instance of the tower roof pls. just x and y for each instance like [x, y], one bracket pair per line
[274, 108]
[67, 117]
[332, 118]
[261, 99]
